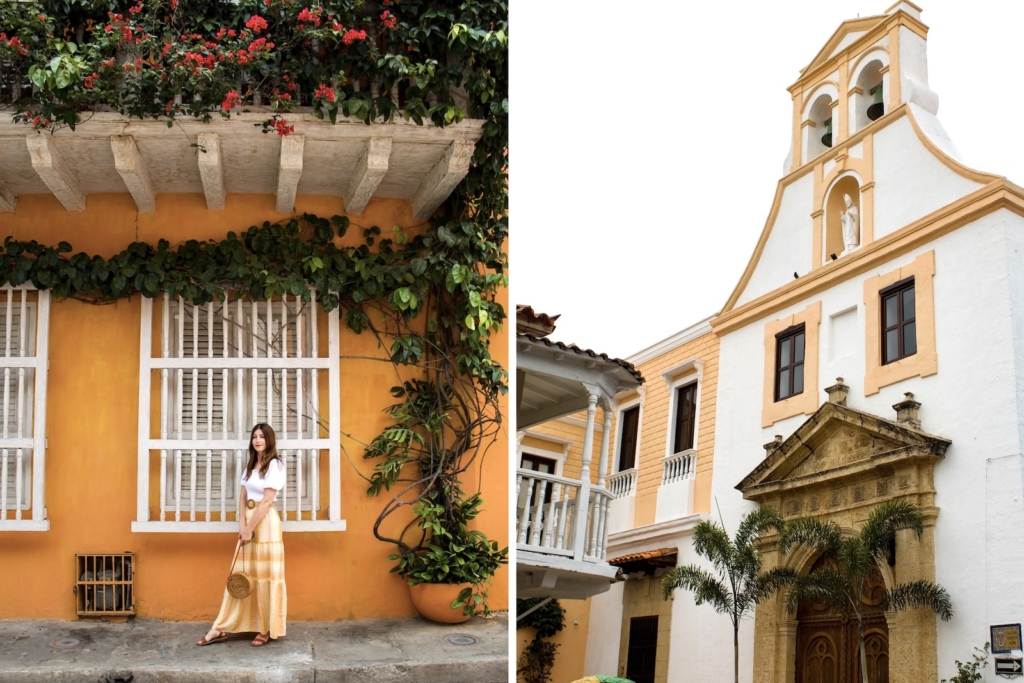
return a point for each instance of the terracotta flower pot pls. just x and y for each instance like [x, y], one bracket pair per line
[434, 601]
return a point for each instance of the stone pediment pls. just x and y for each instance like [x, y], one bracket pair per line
[838, 443]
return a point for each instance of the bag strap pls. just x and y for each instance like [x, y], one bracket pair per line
[235, 557]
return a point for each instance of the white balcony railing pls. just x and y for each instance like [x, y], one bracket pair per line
[622, 484]
[554, 518]
[679, 467]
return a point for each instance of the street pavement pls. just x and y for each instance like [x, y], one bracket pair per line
[371, 651]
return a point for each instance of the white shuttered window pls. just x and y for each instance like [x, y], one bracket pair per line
[224, 367]
[24, 328]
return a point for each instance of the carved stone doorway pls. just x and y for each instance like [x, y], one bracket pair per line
[827, 643]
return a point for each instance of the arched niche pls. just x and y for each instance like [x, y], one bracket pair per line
[818, 129]
[835, 206]
[868, 99]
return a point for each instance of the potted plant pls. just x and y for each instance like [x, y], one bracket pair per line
[438, 434]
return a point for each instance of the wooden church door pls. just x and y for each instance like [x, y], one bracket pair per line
[827, 642]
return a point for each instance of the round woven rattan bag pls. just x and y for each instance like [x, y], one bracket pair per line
[240, 584]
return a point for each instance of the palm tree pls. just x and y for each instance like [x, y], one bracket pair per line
[841, 583]
[740, 584]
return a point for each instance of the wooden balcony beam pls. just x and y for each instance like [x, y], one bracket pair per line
[211, 170]
[370, 170]
[130, 165]
[442, 179]
[54, 171]
[8, 200]
[289, 171]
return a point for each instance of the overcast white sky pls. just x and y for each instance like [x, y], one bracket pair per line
[647, 140]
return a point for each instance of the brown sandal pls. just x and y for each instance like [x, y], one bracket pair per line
[218, 639]
[261, 639]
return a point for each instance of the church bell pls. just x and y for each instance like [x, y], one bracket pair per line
[877, 107]
[826, 139]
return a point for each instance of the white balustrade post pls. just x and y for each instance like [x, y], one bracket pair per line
[581, 513]
[602, 465]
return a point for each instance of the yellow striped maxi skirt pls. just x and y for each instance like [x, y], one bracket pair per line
[263, 560]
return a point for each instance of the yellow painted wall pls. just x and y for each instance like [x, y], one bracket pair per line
[657, 414]
[572, 641]
[92, 417]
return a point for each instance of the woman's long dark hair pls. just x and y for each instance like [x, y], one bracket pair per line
[270, 450]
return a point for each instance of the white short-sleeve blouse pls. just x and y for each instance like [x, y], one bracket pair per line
[255, 484]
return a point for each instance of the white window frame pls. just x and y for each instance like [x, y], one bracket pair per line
[198, 517]
[558, 456]
[677, 376]
[16, 369]
[619, 409]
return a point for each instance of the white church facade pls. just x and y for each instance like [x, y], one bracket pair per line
[872, 350]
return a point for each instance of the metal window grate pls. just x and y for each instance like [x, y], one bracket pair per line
[105, 585]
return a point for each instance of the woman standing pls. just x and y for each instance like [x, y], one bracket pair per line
[262, 552]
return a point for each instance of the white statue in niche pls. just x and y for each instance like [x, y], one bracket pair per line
[851, 225]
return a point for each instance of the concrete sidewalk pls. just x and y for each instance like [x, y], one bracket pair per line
[381, 651]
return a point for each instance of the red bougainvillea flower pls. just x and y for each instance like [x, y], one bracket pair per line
[283, 129]
[174, 5]
[231, 100]
[309, 17]
[388, 19]
[352, 35]
[325, 92]
[256, 23]
[135, 9]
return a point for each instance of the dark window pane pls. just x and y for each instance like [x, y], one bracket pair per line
[784, 353]
[908, 304]
[890, 310]
[627, 442]
[686, 406]
[892, 351]
[798, 352]
[784, 384]
[910, 339]
[798, 379]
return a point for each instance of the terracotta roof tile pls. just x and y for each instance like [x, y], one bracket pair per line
[572, 348]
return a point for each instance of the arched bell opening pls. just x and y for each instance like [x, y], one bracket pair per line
[819, 134]
[828, 642]
[868, 102]
[843, 221]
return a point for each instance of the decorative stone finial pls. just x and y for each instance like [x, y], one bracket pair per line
[907, 411]
[837, 392]
[773, 446]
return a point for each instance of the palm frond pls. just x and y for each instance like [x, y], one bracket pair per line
[704, 586]
[771, 581]
[823, 536]
[855, 558]
[756, 523]
[886, 519]
[711, 541]
[824, 584]
[919, 594]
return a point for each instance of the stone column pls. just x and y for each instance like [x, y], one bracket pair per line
[912, 634]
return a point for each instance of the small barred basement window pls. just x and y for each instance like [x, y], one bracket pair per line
[104, 585]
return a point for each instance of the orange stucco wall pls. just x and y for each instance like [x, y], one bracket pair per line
[92, 417]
